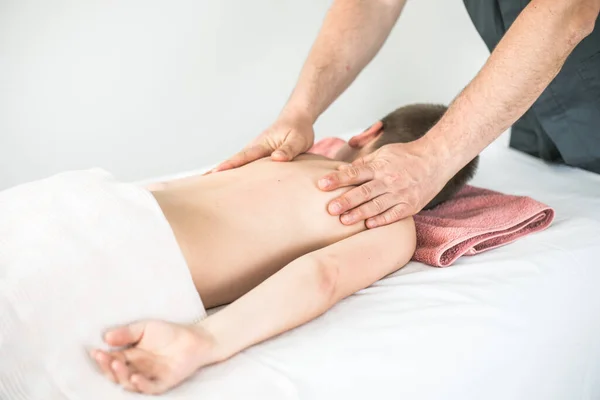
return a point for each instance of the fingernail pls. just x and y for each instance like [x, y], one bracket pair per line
[335, 208]
[347, 219]
[371, 223]
[279, 154]
[324, 183]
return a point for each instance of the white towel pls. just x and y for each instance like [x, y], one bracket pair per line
[79, 253]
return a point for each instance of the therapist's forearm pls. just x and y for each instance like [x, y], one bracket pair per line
[522, 65]
[352, 34]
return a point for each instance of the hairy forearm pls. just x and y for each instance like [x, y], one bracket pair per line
[522, 65]
[351, 35]
[293, 296]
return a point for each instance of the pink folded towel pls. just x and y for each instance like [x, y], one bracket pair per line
[473, 221]
[476, 220]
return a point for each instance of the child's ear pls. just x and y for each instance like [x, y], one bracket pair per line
[367, 136]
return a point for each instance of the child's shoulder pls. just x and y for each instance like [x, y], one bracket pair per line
[317, 159]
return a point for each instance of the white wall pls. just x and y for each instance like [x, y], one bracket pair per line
[147, 87]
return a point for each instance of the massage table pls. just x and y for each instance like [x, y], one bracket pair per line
[518, 322]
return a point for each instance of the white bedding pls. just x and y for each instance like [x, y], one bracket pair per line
[79, 253]
[518, 322]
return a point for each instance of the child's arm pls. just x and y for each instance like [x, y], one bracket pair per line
[310, 285]
[165, 354]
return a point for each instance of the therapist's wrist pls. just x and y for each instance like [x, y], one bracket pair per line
[440, 154]
[450, 149]
[299, 112]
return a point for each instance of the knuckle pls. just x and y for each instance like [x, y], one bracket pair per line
[376, 165]
[387, 218]
[373, 167]
[353, 172]
[396, 176]
[380, 186]
[378, 205]
[394, 215]
[358, 213]
[392, 179]
[365, 191]
[344, 202]
[244, 154]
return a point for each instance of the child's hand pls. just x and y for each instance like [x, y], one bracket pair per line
[159, 355]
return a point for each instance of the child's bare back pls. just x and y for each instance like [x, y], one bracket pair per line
[238, 227]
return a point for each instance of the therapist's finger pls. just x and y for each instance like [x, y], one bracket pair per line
[352, 175]
[370, 209]
[354, 202]
[244, 157]
[362, 161]
[293, 145]
[396, 213]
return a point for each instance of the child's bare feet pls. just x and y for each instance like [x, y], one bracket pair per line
[158, 356]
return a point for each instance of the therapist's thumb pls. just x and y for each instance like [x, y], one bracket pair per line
[291, 147]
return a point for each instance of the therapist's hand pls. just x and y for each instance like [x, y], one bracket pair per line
[290, 135]
[396, 181]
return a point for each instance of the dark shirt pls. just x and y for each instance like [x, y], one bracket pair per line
[563, 125]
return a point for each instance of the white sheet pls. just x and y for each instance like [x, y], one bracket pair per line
[80, 253]
[518, 322]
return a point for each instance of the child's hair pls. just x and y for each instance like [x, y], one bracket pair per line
[413, 121]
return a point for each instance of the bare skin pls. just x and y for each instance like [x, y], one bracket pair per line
[253, 221]
[256, 238]
[400, 179]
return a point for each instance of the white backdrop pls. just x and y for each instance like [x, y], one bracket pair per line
[147, 87]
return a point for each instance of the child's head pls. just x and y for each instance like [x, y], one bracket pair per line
[404, 125]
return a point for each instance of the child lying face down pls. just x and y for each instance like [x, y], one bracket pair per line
[259, 239]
